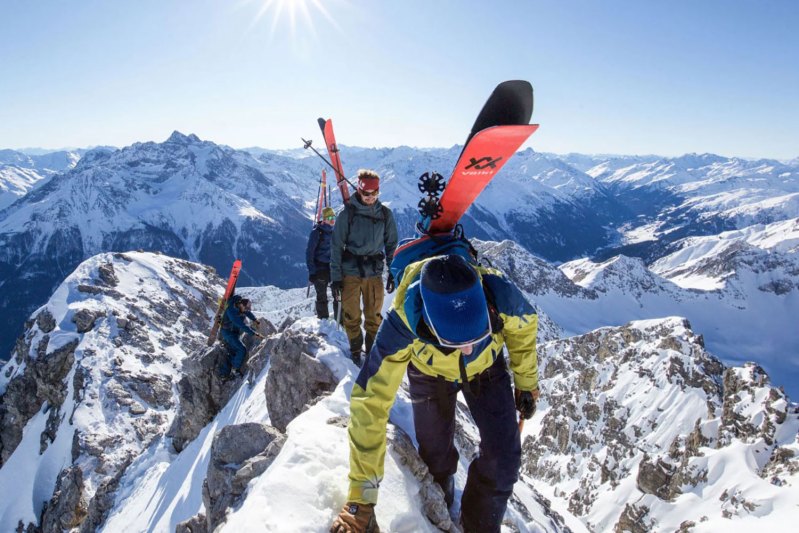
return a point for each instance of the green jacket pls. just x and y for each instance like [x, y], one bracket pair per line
[364, 239]
[397, 345]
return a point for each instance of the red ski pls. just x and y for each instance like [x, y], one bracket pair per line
[500, 129]
[332, 150]
[480, 161]
[220, 310]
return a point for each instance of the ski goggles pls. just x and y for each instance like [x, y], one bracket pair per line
[369, 194]
[457, 344]
[330, 218]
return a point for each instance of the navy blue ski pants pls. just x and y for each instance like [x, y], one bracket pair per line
[495, 470]
[236, 355]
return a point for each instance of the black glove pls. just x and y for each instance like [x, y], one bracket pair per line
[390, 283]
[337, 286]
[312, 278]
[526, 402]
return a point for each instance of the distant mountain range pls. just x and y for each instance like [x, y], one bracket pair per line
[197, 200]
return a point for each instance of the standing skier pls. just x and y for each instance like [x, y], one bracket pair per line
[364, 239]
[317, 258]
[233, 325]
[447, 328]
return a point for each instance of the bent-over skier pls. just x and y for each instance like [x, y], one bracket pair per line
[447, 328]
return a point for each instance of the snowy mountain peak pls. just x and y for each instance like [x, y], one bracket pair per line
[178, 137]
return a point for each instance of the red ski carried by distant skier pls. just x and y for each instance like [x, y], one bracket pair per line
[335, 158]
[220, 310]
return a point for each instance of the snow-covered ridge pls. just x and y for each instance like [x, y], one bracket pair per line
[641, 429]
[638, 426]
[90, 384]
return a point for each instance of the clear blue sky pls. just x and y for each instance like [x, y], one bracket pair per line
[610, 76]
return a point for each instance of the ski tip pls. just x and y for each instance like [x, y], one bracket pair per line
[510, 104]
[322, 123]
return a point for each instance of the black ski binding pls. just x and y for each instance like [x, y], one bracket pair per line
[430, 208]
[431, 183]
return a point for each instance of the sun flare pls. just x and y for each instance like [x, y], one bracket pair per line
[299, 14]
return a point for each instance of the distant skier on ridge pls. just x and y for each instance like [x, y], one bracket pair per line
[233, 325]
[364, 240]
[447, 328]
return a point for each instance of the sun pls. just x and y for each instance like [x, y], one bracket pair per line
[298, 13]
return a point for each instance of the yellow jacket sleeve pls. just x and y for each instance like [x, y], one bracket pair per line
[372, 396]
[520, 328]
[520, 334]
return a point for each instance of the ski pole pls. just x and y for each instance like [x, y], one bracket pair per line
[339, 176]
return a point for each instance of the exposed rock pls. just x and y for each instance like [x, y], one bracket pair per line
[84, 319]
[195, 524]
[634, 519]
[43, 381]
[103, 500]
[202, 394]
[107, 275]
[295, 378]
[239, 453]
[154, 389]
[67, 508]
[655, 478]
[45, 321]
[433, 504]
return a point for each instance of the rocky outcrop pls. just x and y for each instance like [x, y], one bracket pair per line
[45, 370]
[296, 378]
[646, 401]
[239, 453]
[195, 524]
[634, 519]
[433, 504]
[67, 508]
[200, 391]
[84, 319]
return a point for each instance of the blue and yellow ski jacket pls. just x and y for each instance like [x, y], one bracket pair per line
[398, 344]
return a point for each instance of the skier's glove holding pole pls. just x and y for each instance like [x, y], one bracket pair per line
[526, 402]
[337, 286]
[355, 518]
[390, 286]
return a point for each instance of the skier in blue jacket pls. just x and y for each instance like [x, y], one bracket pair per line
[317, 259]
[233, 325]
